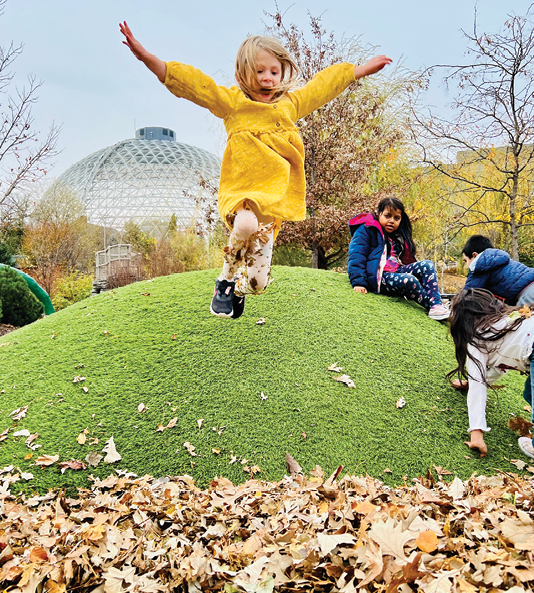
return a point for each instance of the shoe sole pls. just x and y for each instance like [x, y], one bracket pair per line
[527, 453]
[439, 317]
[227, 315]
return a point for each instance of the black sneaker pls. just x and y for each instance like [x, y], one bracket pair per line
[221, 303]
[238, 305]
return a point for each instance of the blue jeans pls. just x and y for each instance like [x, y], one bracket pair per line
[527, 391]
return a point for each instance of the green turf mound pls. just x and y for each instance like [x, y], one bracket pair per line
[155, 343]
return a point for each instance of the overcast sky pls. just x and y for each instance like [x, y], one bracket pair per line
[99, 93]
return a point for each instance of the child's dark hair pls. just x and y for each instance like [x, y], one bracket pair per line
[405, 227]
[476, 244]
[473, 314]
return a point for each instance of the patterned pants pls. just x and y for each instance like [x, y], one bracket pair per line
[417, 282]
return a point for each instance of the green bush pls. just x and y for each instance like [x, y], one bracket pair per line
[71, 289]
[19, 305]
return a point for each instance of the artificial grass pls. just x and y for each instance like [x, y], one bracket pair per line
[156, 343]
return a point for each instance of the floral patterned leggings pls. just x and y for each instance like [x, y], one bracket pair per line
[417, 282]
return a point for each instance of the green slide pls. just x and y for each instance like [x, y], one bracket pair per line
[39, 292]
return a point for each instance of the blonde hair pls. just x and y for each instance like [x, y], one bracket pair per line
[245, 64]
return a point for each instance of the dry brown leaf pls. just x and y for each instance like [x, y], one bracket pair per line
[78, 379]
[199, 422]
[387, 471]
[190, 449]
[261, 321]
[427, 541]
[111, 452]
[401, 402]
[335, 368]
[81, 438]
[441, 471]
[44, 460]
[365, 507]
[72, 464]
[141, 408]
[520, 464]
[94, 458]
[19, 413]
[171, 424]
[345, 379]
[292, 464]
[38, 554]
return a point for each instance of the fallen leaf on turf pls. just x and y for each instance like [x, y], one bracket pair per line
[216, 451]
[441, 471]
[22, 433]
[44, 460]
[26, 476]
[530, 469]
[141, 408]
[233, 459]
[112, 455]
[527, 408]
[292, 464]
[518, 463]
[85, 389]
[29, 456]
[19, 413]
[29, 442]
[387, 471]
[72, 464]
[190, 449]
[94, 458]
[199, 422]
[345, 379]
[78, 379]
[81, 438]
[335, 368]
[401, 402]
[262, 397]
[173, 337]
[304, 435]
[171, 424]
[3, 436]
[427, 541]
[261, 321]
[145, 294]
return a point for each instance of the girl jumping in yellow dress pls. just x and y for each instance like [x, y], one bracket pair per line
[262, 176]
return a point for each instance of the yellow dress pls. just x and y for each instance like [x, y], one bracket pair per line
[264, 157]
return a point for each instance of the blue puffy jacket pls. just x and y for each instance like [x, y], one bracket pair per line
[368, 251]
[497, 272]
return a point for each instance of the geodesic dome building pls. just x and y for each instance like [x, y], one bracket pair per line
[145, 179]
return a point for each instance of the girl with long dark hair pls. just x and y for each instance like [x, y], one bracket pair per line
[490, 338]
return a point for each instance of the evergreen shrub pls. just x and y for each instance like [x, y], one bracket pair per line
[18, 304]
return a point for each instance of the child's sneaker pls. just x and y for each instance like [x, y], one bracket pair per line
[525, 444]
[221, 303]
[238, 305]
[439, 312]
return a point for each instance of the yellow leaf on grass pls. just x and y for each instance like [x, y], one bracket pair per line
[81, 438]
[427, 541]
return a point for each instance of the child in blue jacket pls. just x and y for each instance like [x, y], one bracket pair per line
[494, 270]
[382, 258]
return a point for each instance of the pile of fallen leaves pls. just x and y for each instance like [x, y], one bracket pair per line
[299, 534]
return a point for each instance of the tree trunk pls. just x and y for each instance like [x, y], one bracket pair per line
[319, 260]
[513, 215]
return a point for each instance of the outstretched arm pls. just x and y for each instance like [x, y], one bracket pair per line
[152, 62]
[373, 66]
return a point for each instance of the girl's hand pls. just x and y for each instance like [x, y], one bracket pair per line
[461, 385]
[477, 442]
[152, 62]
[361, 289]
[131, 42]
[373, 66]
